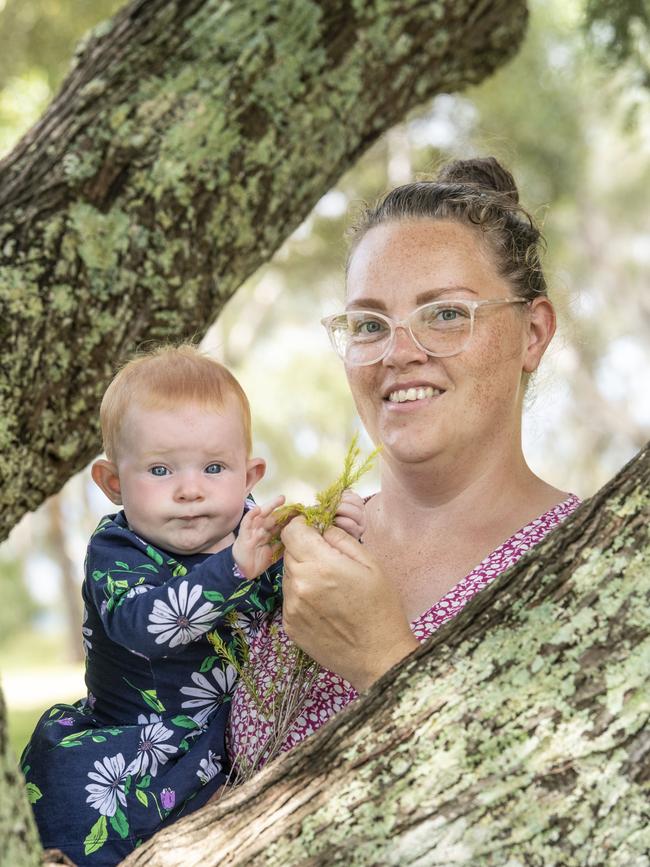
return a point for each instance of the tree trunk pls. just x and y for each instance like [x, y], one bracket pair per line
[188, 141]
[517, 735]
[19, 846]
[70, 584]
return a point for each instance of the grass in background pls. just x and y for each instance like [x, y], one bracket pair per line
[35, 673]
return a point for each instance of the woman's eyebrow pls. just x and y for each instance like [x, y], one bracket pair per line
[433, 294]
[367, 302]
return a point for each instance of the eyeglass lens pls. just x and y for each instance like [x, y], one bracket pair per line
[441, 328]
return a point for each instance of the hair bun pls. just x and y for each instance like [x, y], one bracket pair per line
[483, 172]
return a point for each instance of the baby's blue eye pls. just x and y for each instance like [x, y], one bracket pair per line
[159, 471]
[213, 469]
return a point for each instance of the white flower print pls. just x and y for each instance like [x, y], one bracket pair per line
[249, 623]
[137, 590]
[86, 632]
[152, 750]
[210, 767]
[207, 695]
[153, 717]
[176, 623]
[108, 787]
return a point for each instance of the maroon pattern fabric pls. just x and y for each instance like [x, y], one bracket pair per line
[249, 731]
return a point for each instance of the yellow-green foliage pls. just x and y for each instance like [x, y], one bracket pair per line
[281, 702]
[321, 516]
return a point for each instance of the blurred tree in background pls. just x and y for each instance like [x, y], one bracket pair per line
[573, 128]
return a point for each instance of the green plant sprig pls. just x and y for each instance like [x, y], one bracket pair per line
[322, 515]
[282, 700]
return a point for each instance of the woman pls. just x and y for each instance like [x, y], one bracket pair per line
[447, 315]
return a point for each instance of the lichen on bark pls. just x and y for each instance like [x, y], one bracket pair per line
[187, 143]
[517, 735]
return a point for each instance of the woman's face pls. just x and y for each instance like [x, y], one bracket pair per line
[477, 395]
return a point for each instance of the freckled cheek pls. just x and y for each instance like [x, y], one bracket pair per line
[488, 373]
[364, 388]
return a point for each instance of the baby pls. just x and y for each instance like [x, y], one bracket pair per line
[188, 553]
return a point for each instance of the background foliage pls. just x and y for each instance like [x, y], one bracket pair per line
[570, 115]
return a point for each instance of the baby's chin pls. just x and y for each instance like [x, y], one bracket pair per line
[186, 547]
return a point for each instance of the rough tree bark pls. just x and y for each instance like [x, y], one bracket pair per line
[19, 844]
[188, 141]
[517, 735]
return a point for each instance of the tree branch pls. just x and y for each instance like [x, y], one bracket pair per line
[187, 143]
[517, 734]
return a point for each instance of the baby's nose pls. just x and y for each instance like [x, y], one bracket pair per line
[189, 488]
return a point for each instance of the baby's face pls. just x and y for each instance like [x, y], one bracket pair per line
[183, 476]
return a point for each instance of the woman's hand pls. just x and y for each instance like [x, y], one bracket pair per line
[339, 607]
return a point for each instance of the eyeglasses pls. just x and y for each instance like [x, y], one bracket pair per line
[439, 328]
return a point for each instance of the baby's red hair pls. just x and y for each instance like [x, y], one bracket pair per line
[165, 378]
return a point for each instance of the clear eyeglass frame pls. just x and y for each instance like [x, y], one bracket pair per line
[384, 346]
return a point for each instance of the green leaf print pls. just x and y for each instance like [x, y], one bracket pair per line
[145, 782]
[73, 739]
[142, 797]
[150, 696]
[102, 524]
[120, 824]
[241, 591]
[121, 564]
[179, 570]
[99, 739]
[208, 664]
[33, 793]
[185, 721]
[97, 575]
[213, 596]
[154, 555]
[127, 783]
[254, 598]
[97, 836]
[148, 566]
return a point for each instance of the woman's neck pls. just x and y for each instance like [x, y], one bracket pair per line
[461, 493]
[430, 527]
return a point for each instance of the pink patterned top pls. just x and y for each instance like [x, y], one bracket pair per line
[249, 730]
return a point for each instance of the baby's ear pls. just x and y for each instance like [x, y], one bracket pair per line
[255, 469]
[106, 477]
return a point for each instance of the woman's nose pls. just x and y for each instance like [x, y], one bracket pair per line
[403, 349]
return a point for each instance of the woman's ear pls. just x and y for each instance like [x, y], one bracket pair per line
[106, 477]
[255, 469]
[539, 332]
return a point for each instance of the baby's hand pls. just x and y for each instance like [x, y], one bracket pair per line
[351, 514]
[253, 550]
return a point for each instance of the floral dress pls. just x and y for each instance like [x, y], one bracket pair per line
[250, 731]
[146, 744]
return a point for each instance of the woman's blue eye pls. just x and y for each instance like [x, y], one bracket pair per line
[159, 471]
[213, 469]
[368, 328]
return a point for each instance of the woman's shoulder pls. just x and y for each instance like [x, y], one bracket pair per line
[553, 515]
